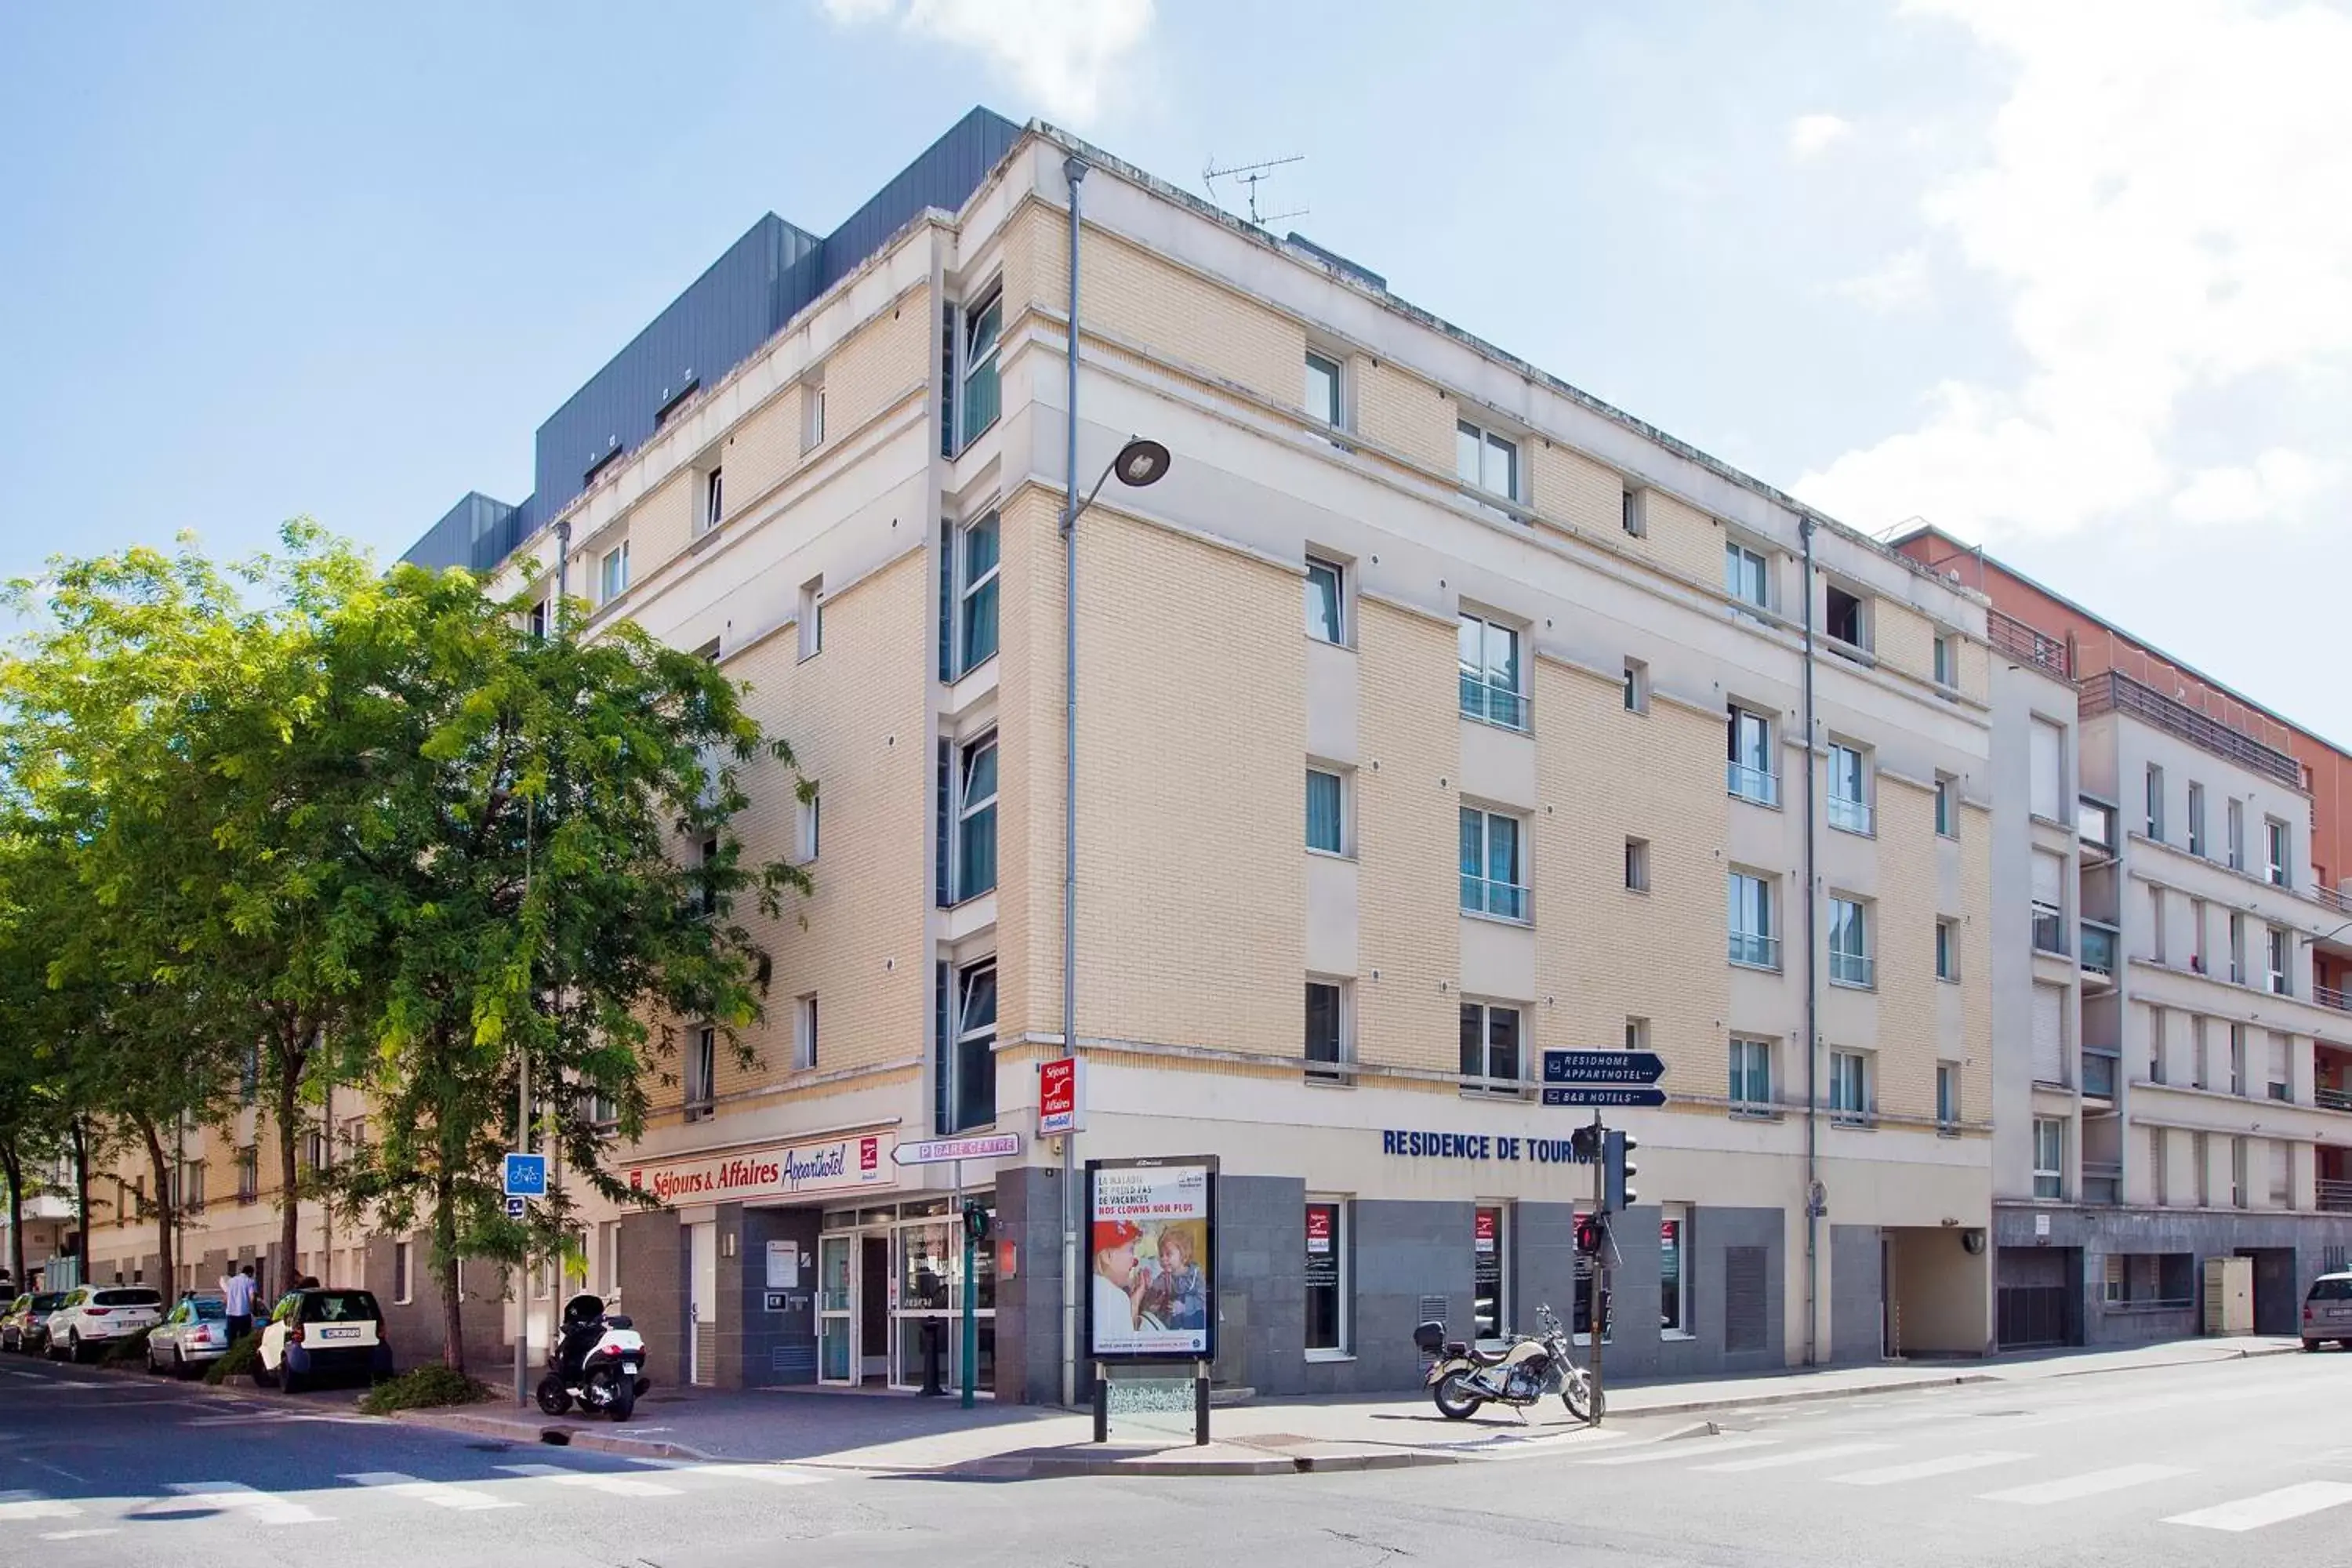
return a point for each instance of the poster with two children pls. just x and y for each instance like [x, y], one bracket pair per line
[1151, 1226]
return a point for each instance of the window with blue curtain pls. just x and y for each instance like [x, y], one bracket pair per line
[976, 594]
[1326, 828]
[976, 820]
[1493, 875]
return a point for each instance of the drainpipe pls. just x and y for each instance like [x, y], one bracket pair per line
[1074, 169]
[1812, 994]
[562, 566]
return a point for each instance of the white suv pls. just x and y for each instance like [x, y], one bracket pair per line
[93, 1314]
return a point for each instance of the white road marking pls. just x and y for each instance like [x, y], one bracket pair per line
[264, 1508]
[53, 1469]
[2269, 1508]
[744, 1470]
[77, 1534]
[33, 1505]
[1796, 1456]
[2089, 1484]
[1682, 1448]
[618, 1485]
[1950, 1464]
[441, 1494]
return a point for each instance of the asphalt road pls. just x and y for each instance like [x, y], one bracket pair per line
[2238, 1462]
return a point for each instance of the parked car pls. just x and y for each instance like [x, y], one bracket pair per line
[316, 1333]
[92, 1314]
[2328, 1311]
[25, 1324]
[194, 1332]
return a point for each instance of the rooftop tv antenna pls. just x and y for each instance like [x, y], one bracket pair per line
[1252, 175]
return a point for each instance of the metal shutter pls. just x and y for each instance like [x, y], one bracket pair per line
[2047, 761]
[2049, 879]
[2049, 1035]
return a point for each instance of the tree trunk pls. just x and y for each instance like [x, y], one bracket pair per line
[81, 1198]
[14, 1170]
[288, 1113]
[444, 1259]
[167, 1207]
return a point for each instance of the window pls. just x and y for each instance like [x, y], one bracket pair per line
[804, 1032]
[1637, 865]
[701, 1073]
[1751, 1075]
[249, 1174]
[1849, 789]
[970, 1095]
[976, 565]
[1637, 1034]
[1948, 805]
[1327, 1277]
[1491, 688]
[1849, 944]
[1846, 619]
[2196, 818]
[812, 411]
[248, 1083]
[1637, 687]
[2046, 759]
[1490, 1048]
[1490, 1248]
[2200, 1156]
[1326, 1042]
[612, 573]
[2197, 922]
[714, 498]
[1326, 609]
[1485, 460]
[1850, 1085]
[1323, 390]
[810, 825]
[537, 622]
[706, 893]
[2274, 849]
[2049, 1157]
[2280, 984]
[2239, 1193]
[812, 617]
[1947, 661]
[984, 327]
[1632, 513]
[2236, 948]
[976, 820]
[1749, 773]
[2236, 815]
[1948, 950]
[2238, 1059]
[1327, 824]
[1494, 873]
[2151, 1279]
[1948, 1096]
[2155, 802]
[1752, 941]
[1746, 577]
[1675, 1273]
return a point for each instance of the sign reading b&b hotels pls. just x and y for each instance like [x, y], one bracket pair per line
[773, 1171]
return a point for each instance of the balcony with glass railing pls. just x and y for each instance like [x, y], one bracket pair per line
[1851, 969]
[2099, 950]
[1752, 951]
[1485, 896]
[2100, 1071]
[1753, 783]
[1489, 703]
[1849, 815]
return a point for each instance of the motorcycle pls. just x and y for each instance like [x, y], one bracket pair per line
[597, 1361]
[1462, 1377]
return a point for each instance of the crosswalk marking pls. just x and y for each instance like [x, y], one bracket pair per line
[33, 1505]
[618, 1486]
[441, 1494]
[2091, 1484]
[2269, 1508]
[749, 1470]
[1686, 1448]
[264, 1508]
[1950, 1464]
[1794, 1457]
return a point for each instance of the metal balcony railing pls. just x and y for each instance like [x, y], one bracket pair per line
[2341, 904]
[2335, 1197]
[2038, 649]
[2099, 1074]
[2099, 948]
[2113, 692]
[1753, 783]
[2328, 996]
[2331, 1099]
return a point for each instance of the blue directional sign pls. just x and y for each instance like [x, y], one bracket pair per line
[526, 1176]
[518, 1207]
[1604, 1094]
[1603, 1066]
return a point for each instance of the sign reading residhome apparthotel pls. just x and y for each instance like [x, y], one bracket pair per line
[778, 1170]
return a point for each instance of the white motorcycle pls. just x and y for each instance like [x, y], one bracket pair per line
[1462, 1377]
[597, 1361]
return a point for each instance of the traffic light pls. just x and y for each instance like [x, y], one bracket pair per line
[1618, 1171]
[1587, 1235]
[1584, 1144]
[975, 1221]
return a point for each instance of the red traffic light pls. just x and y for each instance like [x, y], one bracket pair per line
[1587, 1235]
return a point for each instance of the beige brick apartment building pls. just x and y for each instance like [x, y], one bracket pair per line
[1432, 714]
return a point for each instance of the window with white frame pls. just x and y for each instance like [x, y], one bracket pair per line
[1754, 942]
[1637, 687]
[1674, 1320]
[2196, 818]
[977, 560]
[2274, 851]
[2049, 1157]
[714, 498]
[808, 828]
[804, 1032]
[1328, 1046]
[1494, 864]
[1948, 1094]
[812, 617]
[612, 573]
[975, 818]
[1485, 460]
[1850, 961]
[967, 1069]
[1850, 1085]
[1749, 774]
[1849, 788]
[701, 1073]
[1327, 812]
[1751, 1074]
[538, 621]
[404, 1272]
[1327, 1314]
[1493, 683]
[1747, 577]
[1637, 865]
[1948, 805]
[812, 411]
[1947, 949]
[2155, 802]
[1637, 1034]
[1327, 607]
[2280, 985]
[1845, 618]
[1633, 514]
[2236, 816]
[984, 329]
[1322, 398]
[1491, 1056]
[2237, 948]
[1947, 661]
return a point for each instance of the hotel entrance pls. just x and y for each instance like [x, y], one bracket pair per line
[888, 1274]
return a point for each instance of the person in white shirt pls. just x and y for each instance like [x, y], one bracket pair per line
[1119, 1283]
[238, 1291]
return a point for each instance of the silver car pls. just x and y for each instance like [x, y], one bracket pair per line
[193, 1333]
[2328, 1311]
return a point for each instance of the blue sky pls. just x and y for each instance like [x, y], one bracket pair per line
[2053, 277]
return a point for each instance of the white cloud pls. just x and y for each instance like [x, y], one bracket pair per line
[2154, 198]
[1809, 135]
[1900, 283]
[1061, 53]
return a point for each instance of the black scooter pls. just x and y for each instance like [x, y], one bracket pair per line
[598, 1361]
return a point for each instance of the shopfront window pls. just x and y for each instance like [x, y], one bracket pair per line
[1327, 1277]
[1490, 1310]
[1674, 1274]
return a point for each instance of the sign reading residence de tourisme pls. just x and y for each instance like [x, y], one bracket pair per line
[775, 1171]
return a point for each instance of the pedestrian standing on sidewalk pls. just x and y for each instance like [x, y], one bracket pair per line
[237, 1291]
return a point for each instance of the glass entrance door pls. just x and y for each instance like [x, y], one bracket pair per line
[837, 1310]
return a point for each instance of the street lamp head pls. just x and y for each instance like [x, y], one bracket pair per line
[1140, 462]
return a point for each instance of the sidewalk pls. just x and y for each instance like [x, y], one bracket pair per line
[899, 1434]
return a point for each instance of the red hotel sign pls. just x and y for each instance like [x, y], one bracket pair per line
[835, 1165]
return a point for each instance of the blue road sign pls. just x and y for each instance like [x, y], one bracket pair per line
[526, 1176]
[1603, 1066]
[518, 1207]
[1604, 1094]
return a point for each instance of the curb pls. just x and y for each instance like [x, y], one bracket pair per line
[1040, 1467]
[1794, 1396]
[556, 1434]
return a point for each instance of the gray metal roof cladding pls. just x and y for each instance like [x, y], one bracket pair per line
[744, 298]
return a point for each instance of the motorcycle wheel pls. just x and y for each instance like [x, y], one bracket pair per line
[1576, 1393]
[1454, 1397]
[553, 1400]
